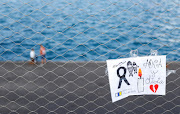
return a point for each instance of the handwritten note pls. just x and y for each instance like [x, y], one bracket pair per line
[137, 76]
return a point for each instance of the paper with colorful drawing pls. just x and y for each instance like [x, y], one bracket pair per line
[137, 76]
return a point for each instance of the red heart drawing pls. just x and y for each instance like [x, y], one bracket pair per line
[151, 87]
[154, 87]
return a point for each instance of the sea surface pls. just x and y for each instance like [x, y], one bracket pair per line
[85, 30]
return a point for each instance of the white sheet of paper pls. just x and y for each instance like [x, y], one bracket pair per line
[137, 76]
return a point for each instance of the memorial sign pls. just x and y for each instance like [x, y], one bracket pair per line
[137, 76]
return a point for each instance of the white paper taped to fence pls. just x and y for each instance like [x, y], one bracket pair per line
[137, 76]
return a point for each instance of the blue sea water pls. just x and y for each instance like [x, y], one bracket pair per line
[84, 30]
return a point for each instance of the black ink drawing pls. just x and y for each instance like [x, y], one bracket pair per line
[122, 77]
[149, 64]
[153, 64]
[159, 64]
[135, 67]
[130, 68]
[119, 64]
[152, 79]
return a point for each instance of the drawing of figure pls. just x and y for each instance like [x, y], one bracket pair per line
[122, 77]
[130, 68]
[135, 67]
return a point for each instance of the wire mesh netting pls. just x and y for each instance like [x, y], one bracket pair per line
[77, 35]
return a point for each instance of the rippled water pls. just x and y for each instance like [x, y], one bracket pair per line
[86, 30]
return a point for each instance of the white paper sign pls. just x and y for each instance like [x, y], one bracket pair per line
[137, 76]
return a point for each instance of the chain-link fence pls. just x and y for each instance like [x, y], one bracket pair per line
[78, 36]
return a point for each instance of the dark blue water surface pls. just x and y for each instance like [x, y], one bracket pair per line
[84, 30]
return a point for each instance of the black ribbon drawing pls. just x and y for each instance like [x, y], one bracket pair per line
[122, 77]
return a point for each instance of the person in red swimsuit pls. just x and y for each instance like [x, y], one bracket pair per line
[43, 54]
